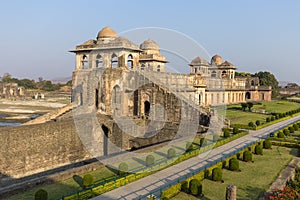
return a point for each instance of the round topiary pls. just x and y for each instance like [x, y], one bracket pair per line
[296, 127]
[150, 160]
[235, 130]
[194, 187]
[226, 133]
[258, 150]
[251, 124]
[273, 118]
[171, 153]
[123, 168]
[41, 195]
[286, 132]
[247, 156]
[291, 129]
[268, 119]
[185, 187]
[257, 122]
[234, 164]
[217, 174]
[189, 147]
[267, 144]
[88, 180]
[280, 134]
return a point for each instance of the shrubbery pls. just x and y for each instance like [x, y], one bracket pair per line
[257, 122]
[251, 124]
[258, 149]
[234, 164]
[217, 174]
[185, 187]
[150, 160]
[235, 130]
[296, 127]
[280, 134]
[226, 133]
[171, 153]
[291, 129]
[268, 119]
[267, 144]
[286, 132]
[41, 195]
[88, 180]
[247, 156]
[123, 168]
[195, 187]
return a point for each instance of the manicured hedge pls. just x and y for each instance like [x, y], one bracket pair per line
[217, 174]
[247, 156]
[41, 194]
[234, 164]
[150, 160]
[258, 149]
[267, 144]
[88, 180]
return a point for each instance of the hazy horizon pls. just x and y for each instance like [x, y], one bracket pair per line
[254, 36]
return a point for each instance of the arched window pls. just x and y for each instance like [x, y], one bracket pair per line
[84, 62]
[130, 61]
[143, 67]
[224, 74]
[213, 74]
[114, 61]
[147, 108]
[98, 61]
[248, 95]
[158, 68]
[252, 83]
[195, 70]
[117, 95]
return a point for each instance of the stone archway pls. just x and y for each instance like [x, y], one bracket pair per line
[248, 95]
[105, 139]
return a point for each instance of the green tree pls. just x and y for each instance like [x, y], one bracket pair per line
[244, 106]
[268, 79]
[250, 105]
[41, 195]
[88, 180]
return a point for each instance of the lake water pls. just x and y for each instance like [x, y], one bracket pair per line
[12, 123]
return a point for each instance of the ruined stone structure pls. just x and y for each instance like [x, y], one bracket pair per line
[11, 90]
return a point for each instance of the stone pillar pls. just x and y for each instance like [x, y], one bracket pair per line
[231, 192]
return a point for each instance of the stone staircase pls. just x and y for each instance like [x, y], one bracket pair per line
[53, 115]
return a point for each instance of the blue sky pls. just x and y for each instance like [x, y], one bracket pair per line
[254, 35]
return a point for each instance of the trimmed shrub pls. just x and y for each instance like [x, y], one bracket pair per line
[171, 153]
[234, 164]
[296, 127]
[88, 180]
[226, 133]
[280, 134]
[235, 130]
[291, 129]
[276, 116]
[123, 168]
[41, 195]
[238, 155]
[185, 186]
[224, 164]
[272, 118]
[286, 132]
[247, 156]
[150, 160]
[258, 149]
[268, 119]
[194, 187]
[217, 174]
[251, 124]
[206, 173]
[267, 144]
[257, 122]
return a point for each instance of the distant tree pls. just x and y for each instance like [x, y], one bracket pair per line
[69, 83]
[244, 106]
[6, 77]
[243, 74]
[250, 105]
[268, 79]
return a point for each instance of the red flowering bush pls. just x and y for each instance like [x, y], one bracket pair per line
[286, 193]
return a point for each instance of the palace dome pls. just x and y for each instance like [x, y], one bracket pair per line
[216, 59]
[149, 45]
[199, 61]
[106, 32]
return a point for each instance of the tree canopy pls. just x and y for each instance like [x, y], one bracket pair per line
[268, 79]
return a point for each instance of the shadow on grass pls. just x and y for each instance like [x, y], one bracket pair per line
[251, 193]
[176, 147]
[161, 154]
[78, 180]
[139, 161]
[295, 152]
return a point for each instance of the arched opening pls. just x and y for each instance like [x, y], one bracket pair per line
[130, 61]
[143, 67]
[117, 95]
[199, 99]
[99, 61]
[195, 70]
[135, 102]
[224, 74]
[114, 61]
[213, 74]
[158, 68]
[84, 62]
[105, 139]
[147, 108]
[252, 83]
[248, 95]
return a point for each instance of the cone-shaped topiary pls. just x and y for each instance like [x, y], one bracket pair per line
[41, 195]
[217, 174]
[234, 164]
[247, 156]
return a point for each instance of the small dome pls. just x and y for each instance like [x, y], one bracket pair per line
[106, 32]
[216, 59]
[149, 45]
[198, 61]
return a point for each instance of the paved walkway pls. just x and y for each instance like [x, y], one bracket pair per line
[147, 185]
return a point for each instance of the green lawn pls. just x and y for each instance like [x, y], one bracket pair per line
[254, 178]
[237, 116]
